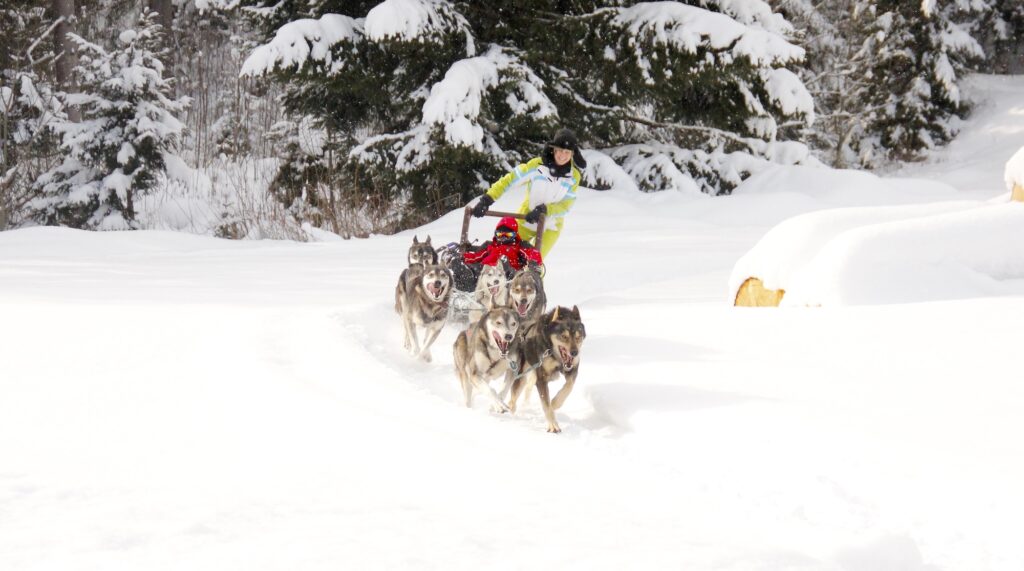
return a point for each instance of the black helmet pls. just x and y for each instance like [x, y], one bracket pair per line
[566, 139]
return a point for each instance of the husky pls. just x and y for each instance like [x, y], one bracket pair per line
[485, 352]
[491, 291]
[550, 347]
[526, 297]
[420, 254]
[425, 305]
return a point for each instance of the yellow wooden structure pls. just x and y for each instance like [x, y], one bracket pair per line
[753, 294]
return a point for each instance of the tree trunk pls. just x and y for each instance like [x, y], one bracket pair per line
[166, 11]
[65, 68]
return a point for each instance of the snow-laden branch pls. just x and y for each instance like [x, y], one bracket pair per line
[411, 20]
[455, 101]
[301, 40]
[689, 28]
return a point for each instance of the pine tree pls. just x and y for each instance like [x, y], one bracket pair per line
[424, 102]
[29, 105]
[119, 149]
[919, 55]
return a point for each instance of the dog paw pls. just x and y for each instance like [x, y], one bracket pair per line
[426, 358]
[500, 409]
[554, 429]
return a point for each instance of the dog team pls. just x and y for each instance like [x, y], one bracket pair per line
[509, 336]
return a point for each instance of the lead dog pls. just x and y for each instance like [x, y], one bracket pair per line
[550, 348]
[420, 254]
[425, 305]
[483, 352]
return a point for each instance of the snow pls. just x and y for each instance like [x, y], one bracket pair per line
[1015, 170]
[688, 28]
[787, 91]
[298, 41]
[454, 102]
[412, 19]
[176, 401]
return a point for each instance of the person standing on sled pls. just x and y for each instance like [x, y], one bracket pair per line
[506, 248]
[551, 181]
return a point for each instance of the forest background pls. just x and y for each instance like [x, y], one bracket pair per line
[287, 118]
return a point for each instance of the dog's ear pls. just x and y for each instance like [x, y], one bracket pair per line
[576, 312]
[428, 239]
[415, 239]
[554, 314]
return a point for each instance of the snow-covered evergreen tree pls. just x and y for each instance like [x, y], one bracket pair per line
[424, 102]
[28, 105]
[1001, 32]
[918, 57]
[116, 153]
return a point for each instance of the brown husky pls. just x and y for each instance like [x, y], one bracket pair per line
[420, 254]
[491, 291]
[425, 305]
[551, 347]
[483, 352]
[526, 297]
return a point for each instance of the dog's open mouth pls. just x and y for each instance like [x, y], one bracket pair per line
[563, 353]
[436, 291]
[494, 289]
[522, 306]
[500, 342]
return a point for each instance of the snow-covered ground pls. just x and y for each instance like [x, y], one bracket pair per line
[169, 401]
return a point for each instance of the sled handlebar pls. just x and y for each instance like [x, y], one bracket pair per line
[464, 238]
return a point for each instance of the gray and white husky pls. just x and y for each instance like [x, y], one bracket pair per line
[425, 306]
[550, 348]
[483, 353]
[420, 254]
[526, 297]
[491, 291]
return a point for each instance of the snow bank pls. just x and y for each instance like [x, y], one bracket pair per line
[875, 255]
[1014, 174]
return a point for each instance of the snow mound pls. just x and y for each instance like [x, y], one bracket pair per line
[892, 254]
[1015, 170]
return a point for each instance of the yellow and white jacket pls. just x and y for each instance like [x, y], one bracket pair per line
[542, 187]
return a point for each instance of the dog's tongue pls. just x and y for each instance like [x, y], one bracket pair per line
[521, 307]
[494, 291]
[434, 291]
[502, 344]
[566, 360]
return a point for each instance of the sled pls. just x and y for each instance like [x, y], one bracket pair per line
[463, 302]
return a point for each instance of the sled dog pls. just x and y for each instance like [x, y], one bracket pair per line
[526, 297]
[550, 347]
[483, 352]
[420, 253]
[425, 306]
[491, 291]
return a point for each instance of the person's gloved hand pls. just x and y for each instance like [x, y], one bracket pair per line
[481, 207]
[535, 214]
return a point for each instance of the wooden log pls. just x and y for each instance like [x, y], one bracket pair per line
[1018, 193]
[753, 294]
